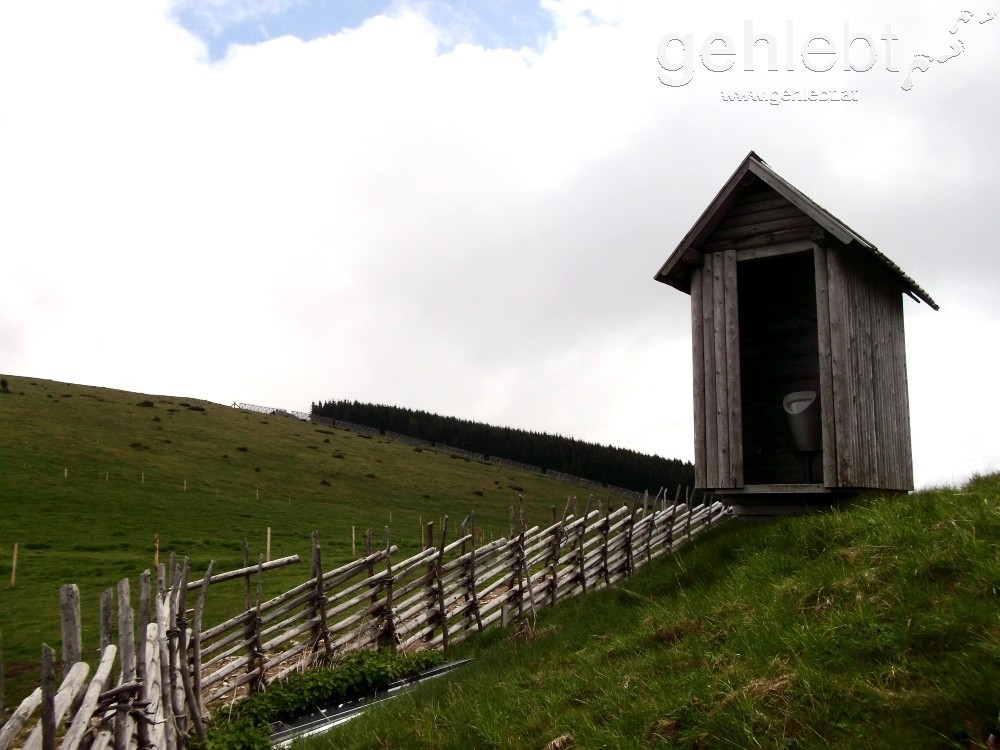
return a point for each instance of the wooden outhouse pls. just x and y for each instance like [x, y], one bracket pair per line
[794, 316]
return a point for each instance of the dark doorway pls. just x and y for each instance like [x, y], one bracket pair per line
[779, 354]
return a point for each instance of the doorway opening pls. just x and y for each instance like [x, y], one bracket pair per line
[779, 355]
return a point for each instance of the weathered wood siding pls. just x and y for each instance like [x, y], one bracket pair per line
[785, 297]
[717, 417]
[823, 330]
[868, 373]
[758, 218]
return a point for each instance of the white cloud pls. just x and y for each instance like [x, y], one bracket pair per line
[468, 231]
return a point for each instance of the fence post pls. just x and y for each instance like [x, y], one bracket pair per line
[371, 565]
[440, 586]
[107, 603]
[196, 638]
[142, 644]
[605, 530]
[526, 574]
[162, 641]
[629, 561]
[669, 544]
[48, 698]
[582, 549]
[191, 699]
[69, 600]
[651, 526]
[318, 605]
[556, 547]
[687, 527]
[387, 633]
[127, 655]
[472, 574]
[255, 648]
[173, 643]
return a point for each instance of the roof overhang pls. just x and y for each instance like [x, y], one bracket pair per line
[676, 272]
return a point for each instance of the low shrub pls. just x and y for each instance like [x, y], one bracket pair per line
[346, 677]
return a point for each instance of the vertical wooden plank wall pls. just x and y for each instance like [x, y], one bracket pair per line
[870, 395]
[698, 349]
[720, 378]
[715, 334]
[827, 403]
[733, 388]
[708, 370]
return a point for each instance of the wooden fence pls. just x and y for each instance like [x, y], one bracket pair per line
[173, 671]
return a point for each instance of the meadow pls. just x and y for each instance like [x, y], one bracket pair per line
[871, 626]
[875, 626]
[92, 477]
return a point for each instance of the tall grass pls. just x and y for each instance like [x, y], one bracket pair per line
[874, 627]
[90, 476]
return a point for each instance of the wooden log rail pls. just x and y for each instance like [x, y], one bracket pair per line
[170, 668]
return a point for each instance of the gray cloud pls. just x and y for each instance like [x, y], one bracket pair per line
[472, 232]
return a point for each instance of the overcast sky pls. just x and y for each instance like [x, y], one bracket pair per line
[460, 208]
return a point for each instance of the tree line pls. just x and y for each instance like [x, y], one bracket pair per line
[606, 464]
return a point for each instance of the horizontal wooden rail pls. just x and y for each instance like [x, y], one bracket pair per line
[433, 598]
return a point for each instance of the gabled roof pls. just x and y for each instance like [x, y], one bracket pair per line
[676, 271]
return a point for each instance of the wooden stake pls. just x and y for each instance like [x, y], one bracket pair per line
[126, 639]
[48, 720]
[185, 485]
[69, 602]
[107, 601]
[267, 549]
[143, 478]
[13, 568]
[156, 551]
[65, 473]
[354, 552]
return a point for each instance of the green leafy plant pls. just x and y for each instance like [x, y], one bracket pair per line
[345, 677]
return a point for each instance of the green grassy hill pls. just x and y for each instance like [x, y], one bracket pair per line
[90, 476]
[874, 627]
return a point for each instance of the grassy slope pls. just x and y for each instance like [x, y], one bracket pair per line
[88, 477]
[878, 626]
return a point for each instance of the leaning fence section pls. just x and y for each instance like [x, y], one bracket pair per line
[173, 670]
